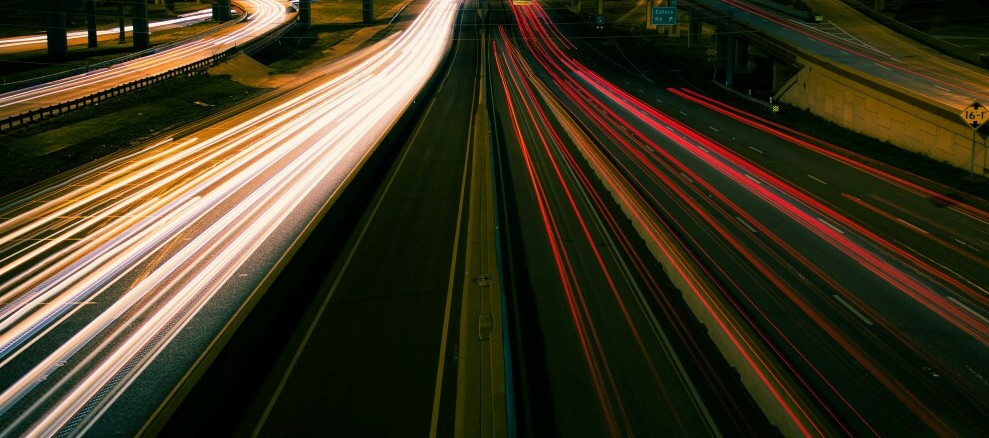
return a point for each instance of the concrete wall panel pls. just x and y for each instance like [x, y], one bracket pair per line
[903, 119]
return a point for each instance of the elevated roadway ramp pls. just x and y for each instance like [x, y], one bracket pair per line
[873, 80]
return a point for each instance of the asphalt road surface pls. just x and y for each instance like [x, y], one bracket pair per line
[119, 277]
[606, 344]
[374, 353]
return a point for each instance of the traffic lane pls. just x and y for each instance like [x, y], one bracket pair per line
[938, 223]
[114, 194]
[932, 352]
[107, 199]
[81, 361]
[730, 265]
[591, 307]
[326, 156]
[573, 391]
[941, 226]
[373, 355]
[831, 258]
[958, 223]
[792, 320]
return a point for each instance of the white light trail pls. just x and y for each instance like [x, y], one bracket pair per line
[182, 19]
[179, 222]
[265, 16]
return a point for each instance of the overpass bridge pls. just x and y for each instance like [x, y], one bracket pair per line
[54, 14]
[851, 66]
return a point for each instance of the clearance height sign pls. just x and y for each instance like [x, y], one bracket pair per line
[975, 115]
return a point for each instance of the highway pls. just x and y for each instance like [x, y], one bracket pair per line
[40, 42]
[374, 354]
[848, 296]
[865, 282]
[116, 279]
[609, 348]
[264, 16]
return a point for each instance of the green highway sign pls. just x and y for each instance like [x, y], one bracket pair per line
[664, 16]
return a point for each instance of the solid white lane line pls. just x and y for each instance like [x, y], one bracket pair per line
[908, 224]
[853, 310]
[968, 246]
[743, 222]
[968, 309]
[821, 219]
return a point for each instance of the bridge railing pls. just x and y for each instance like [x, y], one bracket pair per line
[45, 113]
[17, 85]
[198, 67]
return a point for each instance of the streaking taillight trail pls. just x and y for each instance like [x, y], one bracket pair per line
[658, 154]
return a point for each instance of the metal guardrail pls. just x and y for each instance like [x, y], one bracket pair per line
[41, 114]
[48, 112]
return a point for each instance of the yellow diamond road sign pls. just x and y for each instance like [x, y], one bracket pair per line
[975, 115]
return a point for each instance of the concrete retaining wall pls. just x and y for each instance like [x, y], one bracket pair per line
[871, 108]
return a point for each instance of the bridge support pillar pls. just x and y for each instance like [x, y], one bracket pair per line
[368, 11]
[221, 11]
[742, 56]
[139, 20]
[91, 22]
[694, 31]
[58, 44]
[726, 47]
[781, 74]
[305, 15]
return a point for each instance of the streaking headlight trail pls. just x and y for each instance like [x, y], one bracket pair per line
[100, 271]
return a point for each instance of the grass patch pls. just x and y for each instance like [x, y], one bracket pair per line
[333, 22]
[43, 150]
[294, 52]
[349, 11]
